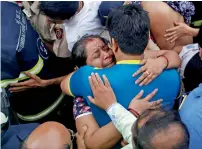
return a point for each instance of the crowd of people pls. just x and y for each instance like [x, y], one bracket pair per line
[101, 75]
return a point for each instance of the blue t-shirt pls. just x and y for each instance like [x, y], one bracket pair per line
[123, 84]
[191, 115]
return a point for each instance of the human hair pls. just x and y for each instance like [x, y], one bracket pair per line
[23, 145]
[158, 124]
[79, 54]
[59, 9]
[129, 25]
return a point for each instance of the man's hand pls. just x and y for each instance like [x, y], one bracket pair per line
[141, 105]
[103, 94]
[33, 82]
[151, 68]
[80, 138]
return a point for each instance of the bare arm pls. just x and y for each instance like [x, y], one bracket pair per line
[172, 56]
[34, 82]
[65, 84]
[95, 137]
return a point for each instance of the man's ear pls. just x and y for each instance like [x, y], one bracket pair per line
[114, 46]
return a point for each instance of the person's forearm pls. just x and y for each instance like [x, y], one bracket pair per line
[172, 56]
[122, 119]
[103, 138]
[55, 81]
[95, 137]
[173, 59]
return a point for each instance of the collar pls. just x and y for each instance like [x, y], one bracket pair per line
[129, 62]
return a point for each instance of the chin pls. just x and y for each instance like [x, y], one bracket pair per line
[110, 65]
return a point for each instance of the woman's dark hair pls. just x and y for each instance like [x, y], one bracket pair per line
[59, 10]
[79, 54]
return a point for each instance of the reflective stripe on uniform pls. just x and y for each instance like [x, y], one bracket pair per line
[35, 70]
[44, 112]
[197, 23]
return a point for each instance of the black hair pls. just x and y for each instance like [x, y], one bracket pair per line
[60, 10]
[129, 25]
[160, 121]
[79, 54]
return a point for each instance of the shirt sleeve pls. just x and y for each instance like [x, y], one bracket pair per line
[122, 119]
[78, 82]
[129, 146]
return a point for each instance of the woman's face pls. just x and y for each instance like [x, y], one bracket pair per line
[99, 54]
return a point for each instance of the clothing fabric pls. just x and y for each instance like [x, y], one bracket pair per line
[15, 135]
[80, 108]
[191, 115]
[124, 86]
[22, 50]
[49, 31]
[186, 55]
[122, 119]
[86, 22]
[193, 73]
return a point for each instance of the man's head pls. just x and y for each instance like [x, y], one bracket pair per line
[129, 27]
[92, 50]
[58, 11]
[157, 129]
[49, 135]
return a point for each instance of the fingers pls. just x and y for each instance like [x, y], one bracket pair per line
[176, 23]
[170, 34]
[139, 95]
[94, 80]
[143, 61]
[142, 77]
[173, 38]
[156, 104]
[18, 89]
[92, 100]
[172, 29]
[98, 79]
[91, 84]
[140, 70]
[32, 76]
[151, 79]
[82, 134]
[146, 79]
[107, 84]
[151, 95]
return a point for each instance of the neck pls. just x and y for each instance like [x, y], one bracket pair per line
[129, 57]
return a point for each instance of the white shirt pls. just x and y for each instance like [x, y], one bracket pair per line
[86, 22]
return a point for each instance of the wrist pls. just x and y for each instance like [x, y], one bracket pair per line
[164, 61]
[134, 112]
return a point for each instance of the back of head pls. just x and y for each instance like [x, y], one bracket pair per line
[157, 129]
[50, 135]
[129, 25]
[59, 10]
[79, 54]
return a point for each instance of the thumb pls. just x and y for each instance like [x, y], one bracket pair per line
[83, 132]
[176, 24]
[32, 76]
